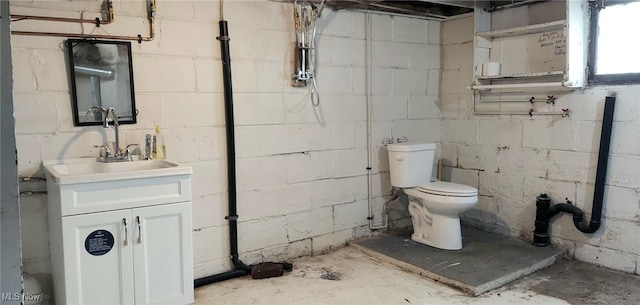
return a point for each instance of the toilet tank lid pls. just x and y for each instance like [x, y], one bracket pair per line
[411, 147]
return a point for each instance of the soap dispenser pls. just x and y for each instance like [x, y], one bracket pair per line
[158, 150]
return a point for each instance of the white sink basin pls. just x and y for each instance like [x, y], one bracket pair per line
[85, 170]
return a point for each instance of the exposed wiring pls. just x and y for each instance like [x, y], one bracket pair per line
[314, 86]
[314, 89]
[305, 16]
[315, 93]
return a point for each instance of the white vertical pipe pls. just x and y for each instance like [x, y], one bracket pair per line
[368, 107]
[368, 86]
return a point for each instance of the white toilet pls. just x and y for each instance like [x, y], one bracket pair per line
[434, 207]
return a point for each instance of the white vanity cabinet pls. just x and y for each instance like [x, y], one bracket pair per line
[123, 241]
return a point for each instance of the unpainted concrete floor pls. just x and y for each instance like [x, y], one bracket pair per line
[348, 276]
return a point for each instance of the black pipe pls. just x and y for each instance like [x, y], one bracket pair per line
[541, 233]
[603, 159]
[232, 274]
[240, 268]
[578, 216]
[231, 144]
[545, 211]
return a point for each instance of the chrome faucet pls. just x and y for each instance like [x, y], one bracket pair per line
[106, 155]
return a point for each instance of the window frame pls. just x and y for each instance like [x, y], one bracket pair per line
[604, 79]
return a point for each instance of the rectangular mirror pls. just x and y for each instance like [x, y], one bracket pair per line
[101, 76]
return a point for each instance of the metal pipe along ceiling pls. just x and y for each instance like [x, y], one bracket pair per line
[151, 12]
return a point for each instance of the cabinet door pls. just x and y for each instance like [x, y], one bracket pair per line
[98, 258]
[163, 255]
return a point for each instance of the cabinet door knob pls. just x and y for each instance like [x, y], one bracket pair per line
[139, 229]
[124, 224]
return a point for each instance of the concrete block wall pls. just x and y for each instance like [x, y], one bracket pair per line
[512, 159]
[302, 184]
[404, 101]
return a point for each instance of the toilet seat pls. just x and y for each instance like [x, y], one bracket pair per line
[442, 188]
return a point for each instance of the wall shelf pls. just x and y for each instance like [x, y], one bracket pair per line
[525, 30]
[544, 53]
[539, 58]
[549, 86]
[522, 75]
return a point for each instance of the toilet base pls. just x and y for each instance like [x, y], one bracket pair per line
[445, 233]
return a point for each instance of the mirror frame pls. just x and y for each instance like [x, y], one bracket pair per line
[70, 44]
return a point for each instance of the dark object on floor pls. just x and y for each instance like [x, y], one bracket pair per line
[267, 270]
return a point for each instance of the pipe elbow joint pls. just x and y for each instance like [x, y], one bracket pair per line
[238, 264]
[593, 226]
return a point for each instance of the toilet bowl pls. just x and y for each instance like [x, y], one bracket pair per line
[435, 212]
[434, 207]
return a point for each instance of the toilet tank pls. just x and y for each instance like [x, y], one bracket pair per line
[410, 164]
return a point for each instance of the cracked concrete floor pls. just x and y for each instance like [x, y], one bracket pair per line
[348, 276]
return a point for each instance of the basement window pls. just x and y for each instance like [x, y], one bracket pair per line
[614, 42]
